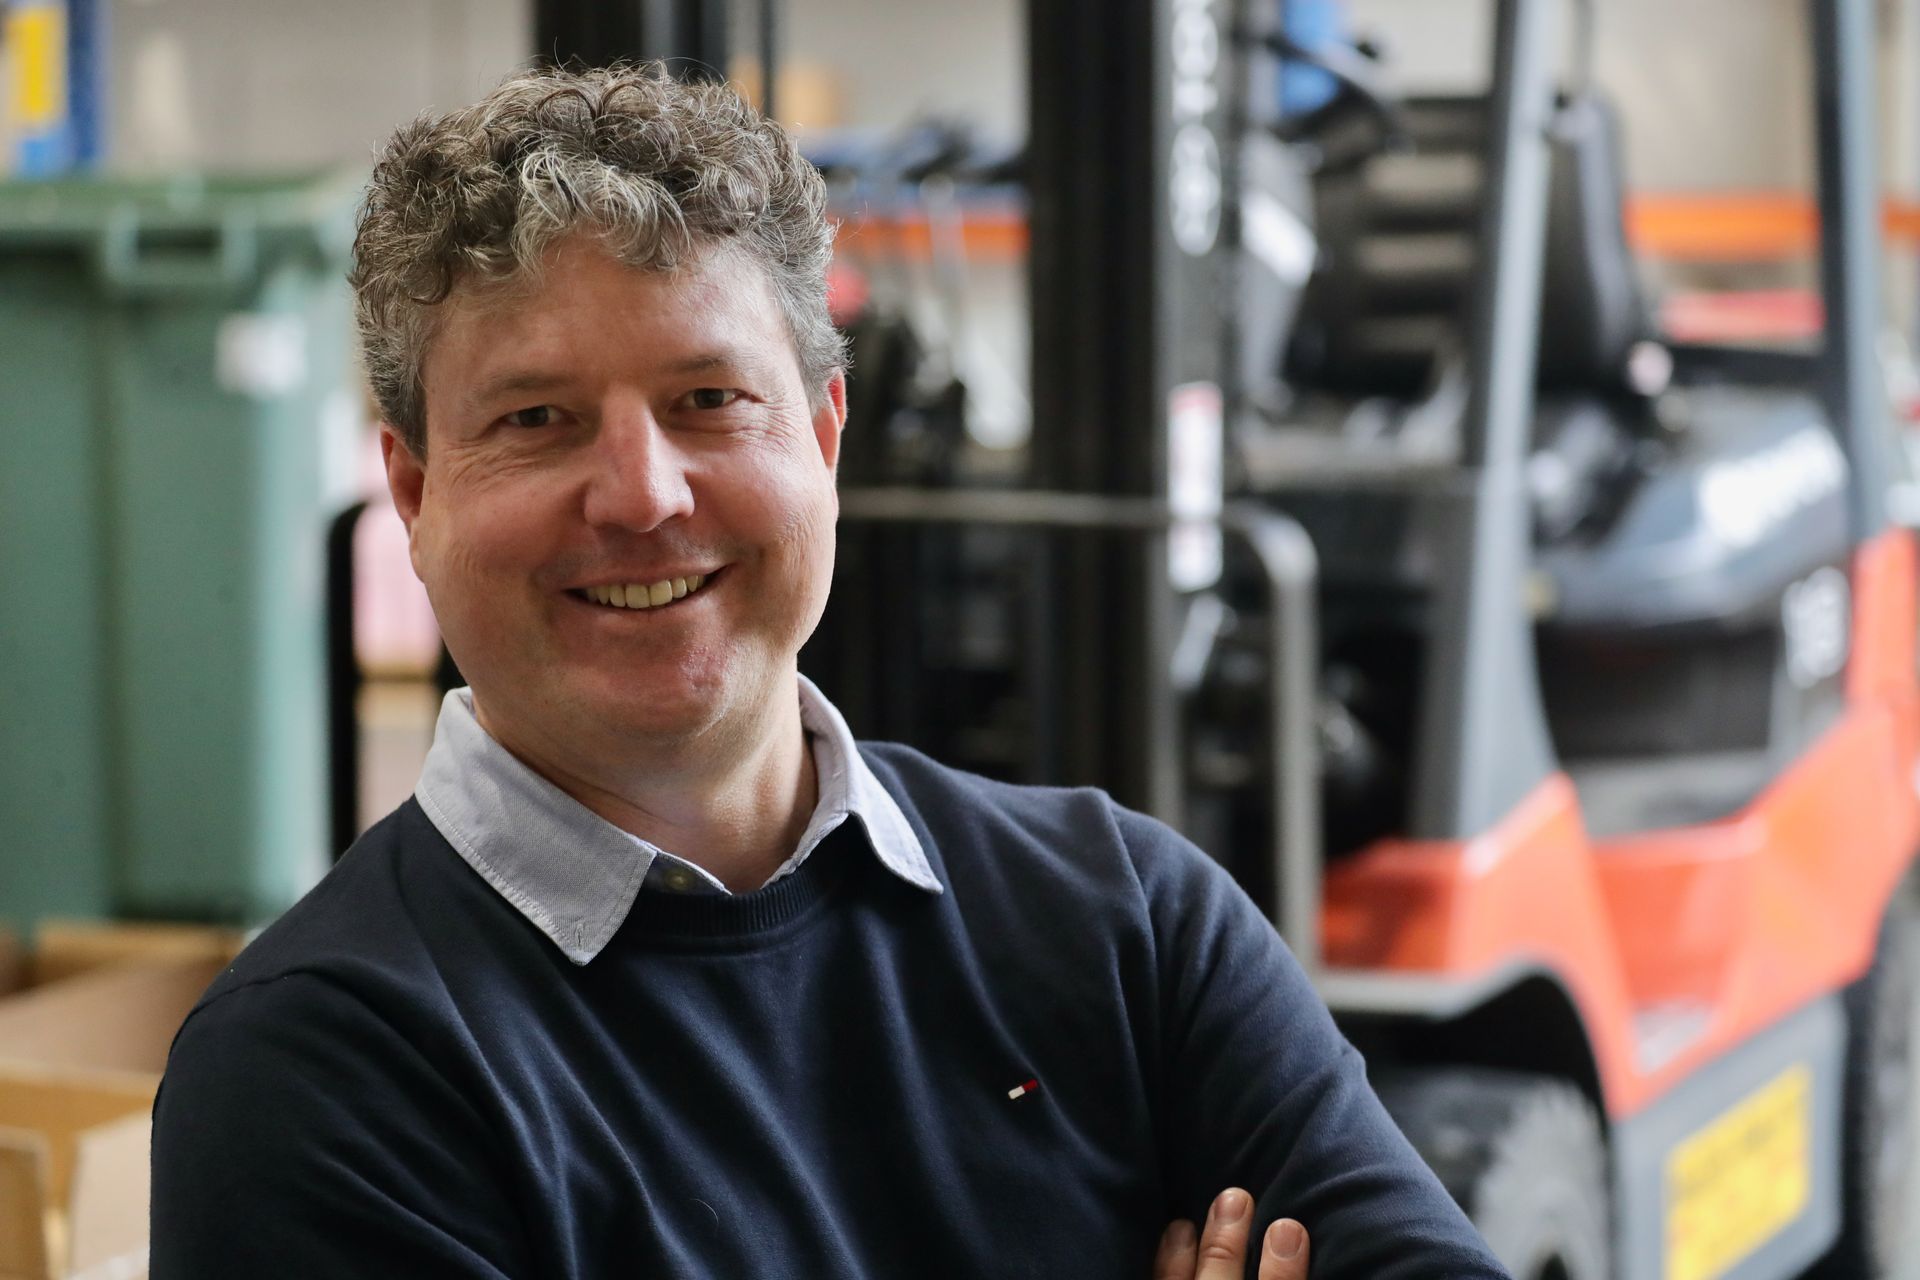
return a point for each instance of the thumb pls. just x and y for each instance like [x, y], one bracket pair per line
[1283, 1252]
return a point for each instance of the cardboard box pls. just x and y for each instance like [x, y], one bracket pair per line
[80, 1059]
[13, 962]
[62, 948]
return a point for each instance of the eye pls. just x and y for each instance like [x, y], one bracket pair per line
[711, 398]
[540, 415]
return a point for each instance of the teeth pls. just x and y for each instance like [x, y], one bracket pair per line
[636, 595]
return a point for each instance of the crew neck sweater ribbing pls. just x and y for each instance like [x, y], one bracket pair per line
[741, 920]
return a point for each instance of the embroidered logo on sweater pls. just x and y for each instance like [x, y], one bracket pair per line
[1019, 1091]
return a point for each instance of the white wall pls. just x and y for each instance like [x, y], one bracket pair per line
[901, 58]
[1712, 93]
[277, 84]
[300, 83]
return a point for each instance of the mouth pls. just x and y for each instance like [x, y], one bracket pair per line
[663, 594]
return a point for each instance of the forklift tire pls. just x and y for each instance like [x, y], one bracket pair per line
[1880, 1113]
[1522, 1154]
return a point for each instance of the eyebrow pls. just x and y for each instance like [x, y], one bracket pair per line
[511, 381]
[537, 380]
[725, 358]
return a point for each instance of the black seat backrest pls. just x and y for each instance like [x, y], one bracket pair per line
[1399, 251]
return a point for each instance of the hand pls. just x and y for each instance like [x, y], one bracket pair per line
[1220, 1253]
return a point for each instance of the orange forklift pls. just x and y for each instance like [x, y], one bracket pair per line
[1555, 688]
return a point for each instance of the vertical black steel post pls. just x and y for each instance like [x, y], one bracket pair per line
[769, 24]
[1846, 128]
[1095, 194]
[690, 35]
[1127, 108]
[1482, 744]
[344, 681]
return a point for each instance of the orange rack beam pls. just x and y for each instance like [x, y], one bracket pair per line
[1755, 226]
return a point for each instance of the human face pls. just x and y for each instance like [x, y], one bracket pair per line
[619, 427]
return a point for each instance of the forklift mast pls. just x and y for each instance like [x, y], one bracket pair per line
[1482, 740]
[1849, 197]
[1131, 304]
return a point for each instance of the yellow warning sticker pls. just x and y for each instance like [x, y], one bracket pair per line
[36, 48]
[1736, 1183]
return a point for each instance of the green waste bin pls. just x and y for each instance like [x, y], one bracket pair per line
[174, 385]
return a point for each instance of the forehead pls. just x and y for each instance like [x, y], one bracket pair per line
[588, 311]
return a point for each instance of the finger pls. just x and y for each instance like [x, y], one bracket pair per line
[1283, 1255]
[1177, 1245]
[1223, 1244]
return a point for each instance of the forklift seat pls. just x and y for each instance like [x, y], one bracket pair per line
[1399, 246]
[1688, 551]
[1592, 311]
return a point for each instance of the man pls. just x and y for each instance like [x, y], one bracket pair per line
[659, 973]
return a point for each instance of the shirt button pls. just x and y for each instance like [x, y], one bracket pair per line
[679, 881]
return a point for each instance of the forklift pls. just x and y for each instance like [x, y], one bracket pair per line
[1554, 689]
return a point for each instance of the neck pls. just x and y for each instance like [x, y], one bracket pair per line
[737, 812]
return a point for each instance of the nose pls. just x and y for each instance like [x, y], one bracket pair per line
[639, 478]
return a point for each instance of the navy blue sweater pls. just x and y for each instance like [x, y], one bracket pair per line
[403, 1077]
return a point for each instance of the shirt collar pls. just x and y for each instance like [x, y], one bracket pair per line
[575, 875]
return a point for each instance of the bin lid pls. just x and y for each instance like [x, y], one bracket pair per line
[188, 231]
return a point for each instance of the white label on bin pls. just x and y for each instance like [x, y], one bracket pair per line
[263, 356]
[343, 428]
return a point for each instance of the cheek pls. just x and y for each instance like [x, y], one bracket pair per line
[466, 534]
[817, 541]
[796, 490]
[805, 519]
[458, 585]
[791, 515]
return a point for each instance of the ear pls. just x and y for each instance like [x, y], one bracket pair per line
[830, 419]
[406, 481]
[406, 474]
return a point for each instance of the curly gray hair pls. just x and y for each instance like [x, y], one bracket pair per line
[657, 167]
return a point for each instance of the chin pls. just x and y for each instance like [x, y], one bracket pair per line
[649, 720]
[629, 702]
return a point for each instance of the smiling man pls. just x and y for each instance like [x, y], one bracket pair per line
[626, 528]
[660, 972]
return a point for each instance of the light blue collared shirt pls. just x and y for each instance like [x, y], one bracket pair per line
[575, 875]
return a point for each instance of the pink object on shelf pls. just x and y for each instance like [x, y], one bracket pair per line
[394, 628]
